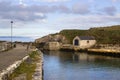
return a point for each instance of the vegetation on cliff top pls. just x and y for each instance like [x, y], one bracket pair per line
[104, 35]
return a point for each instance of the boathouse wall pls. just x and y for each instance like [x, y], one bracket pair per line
[83, 42]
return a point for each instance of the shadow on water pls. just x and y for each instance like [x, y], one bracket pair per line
[69, 65]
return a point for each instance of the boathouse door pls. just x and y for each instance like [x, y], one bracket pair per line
[76, 42]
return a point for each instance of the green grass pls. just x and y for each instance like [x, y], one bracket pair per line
[28, 67]
[103, 35]
[34, 56]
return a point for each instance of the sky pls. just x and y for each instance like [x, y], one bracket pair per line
[37, 18]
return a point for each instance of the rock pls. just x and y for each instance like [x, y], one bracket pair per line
[51, 38]
[21, 77]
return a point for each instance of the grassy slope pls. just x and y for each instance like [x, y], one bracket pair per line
[105, 35]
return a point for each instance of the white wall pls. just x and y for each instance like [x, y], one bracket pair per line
[83, 43]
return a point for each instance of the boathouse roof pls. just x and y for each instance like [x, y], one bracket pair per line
[86, 37]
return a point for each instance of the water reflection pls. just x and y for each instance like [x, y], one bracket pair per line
[80, 66]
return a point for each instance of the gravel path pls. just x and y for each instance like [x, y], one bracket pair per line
[9, 57]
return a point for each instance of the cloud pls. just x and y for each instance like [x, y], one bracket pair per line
[115, 0]
[33, 13]
[21, 16]
[25, 13]
[51, 0]
[30, 12]
[111, 10]
[25, 1]
[80, 8]
[19, 12]
[64, 9]
[90, 20]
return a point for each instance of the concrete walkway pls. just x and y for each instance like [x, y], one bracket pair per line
[9, 57]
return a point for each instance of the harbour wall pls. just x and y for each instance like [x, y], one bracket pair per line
[38, 75]
[6, 73]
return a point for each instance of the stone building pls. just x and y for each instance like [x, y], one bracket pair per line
[52, 46]
[83, 42]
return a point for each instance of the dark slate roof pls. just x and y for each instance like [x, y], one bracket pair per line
[86, 37]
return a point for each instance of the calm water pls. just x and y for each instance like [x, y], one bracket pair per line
[80, 66]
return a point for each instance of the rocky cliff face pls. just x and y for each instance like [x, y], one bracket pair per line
[51, 38]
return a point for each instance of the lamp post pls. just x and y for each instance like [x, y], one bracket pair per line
[11, 32]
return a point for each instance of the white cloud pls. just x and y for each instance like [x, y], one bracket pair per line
[90, 20]
[52, 0]
[21, 2]
[80, 8]
[37, 12]
[40, 14]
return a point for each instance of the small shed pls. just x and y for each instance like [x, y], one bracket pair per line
[84, 42]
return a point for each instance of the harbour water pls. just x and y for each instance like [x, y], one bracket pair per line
[80, 66]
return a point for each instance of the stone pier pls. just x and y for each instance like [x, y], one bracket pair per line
[10, 60]
[38, 75]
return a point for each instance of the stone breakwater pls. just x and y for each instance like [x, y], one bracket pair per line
[6, 73]
[38, 75]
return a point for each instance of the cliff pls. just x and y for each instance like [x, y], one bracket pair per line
[52, 37]
[103, 35]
